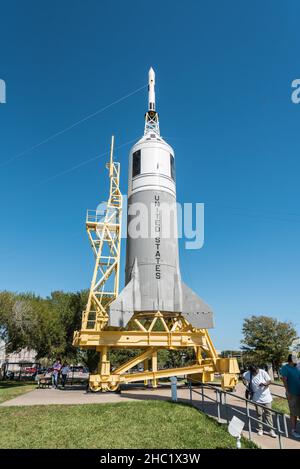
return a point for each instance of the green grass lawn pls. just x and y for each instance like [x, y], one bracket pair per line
[11, 389]
[281, 405]
[143, 424]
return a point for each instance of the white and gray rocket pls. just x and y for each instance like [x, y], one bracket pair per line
[153, 281]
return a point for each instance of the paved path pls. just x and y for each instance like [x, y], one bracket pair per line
[57, 396]
[77, 395]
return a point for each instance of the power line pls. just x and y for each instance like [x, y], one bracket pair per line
[66, 129]
[79, 165]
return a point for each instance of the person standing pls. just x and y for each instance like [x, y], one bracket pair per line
[257, 382]
[55, 373]
[64, 373]
[290, 375]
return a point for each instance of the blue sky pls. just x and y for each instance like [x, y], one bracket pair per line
[223, 73]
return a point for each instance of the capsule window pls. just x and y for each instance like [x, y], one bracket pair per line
[172, 167]
[136, 163]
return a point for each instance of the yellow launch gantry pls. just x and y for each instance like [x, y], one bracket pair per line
[147, 332]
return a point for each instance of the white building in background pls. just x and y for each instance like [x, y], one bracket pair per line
[24, 355]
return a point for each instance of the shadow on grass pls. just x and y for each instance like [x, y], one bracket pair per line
[6, 384]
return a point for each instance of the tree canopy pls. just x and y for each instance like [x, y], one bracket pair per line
[45, 325]
[267, 340]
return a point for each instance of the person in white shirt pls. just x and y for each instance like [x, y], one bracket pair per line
[257, 382]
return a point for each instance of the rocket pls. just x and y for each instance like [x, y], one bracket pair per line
[152, 275]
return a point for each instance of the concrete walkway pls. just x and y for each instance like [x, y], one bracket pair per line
[77, 395]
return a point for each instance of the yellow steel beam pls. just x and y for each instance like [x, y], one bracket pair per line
[152, 375]
[138, 339]
[134, 361]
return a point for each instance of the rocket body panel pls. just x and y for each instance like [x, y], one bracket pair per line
[152, 274]
[156, 254]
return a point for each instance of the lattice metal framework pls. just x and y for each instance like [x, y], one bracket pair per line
[151, 122]
[104, 231]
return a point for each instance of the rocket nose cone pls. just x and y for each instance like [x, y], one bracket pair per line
[151, 73]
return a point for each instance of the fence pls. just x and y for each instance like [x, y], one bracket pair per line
[220, 400]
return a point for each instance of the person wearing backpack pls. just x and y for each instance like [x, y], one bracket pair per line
[257, 382]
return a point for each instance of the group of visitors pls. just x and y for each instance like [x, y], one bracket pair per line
[60, 370]
[257, 382]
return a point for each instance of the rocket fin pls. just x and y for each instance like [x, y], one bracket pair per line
[195, 311]
[128, 301]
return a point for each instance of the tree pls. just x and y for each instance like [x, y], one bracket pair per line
[90, 358]
[28, 321]
[7, 300]
[267, 340]
[68, 307]
[45, 325]
[18, 320]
